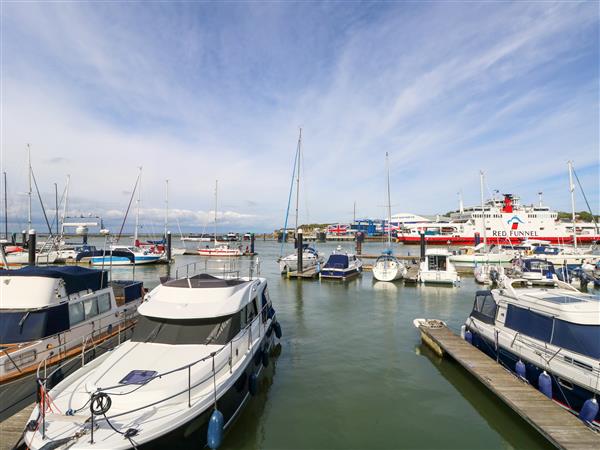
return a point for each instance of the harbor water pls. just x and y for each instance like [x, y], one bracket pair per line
[352, 373]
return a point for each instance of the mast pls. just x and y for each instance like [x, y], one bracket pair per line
[29, 191]
[216, 191]
[166, 206]
[137, 213]
[461, 205]
[389, 205]
[298, 179]
[65, 208]
[354, 213]
[56, 206]
[540, 202]
[482, 207]
[572, 189]
[5, 209]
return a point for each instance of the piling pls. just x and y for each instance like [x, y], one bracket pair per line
[31, 247]
[422, 245]
[169, 240]
[24, 238]
[252, 243]
[360, 237]
[299, 245]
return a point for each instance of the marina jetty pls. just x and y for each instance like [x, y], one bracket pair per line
[561, 428]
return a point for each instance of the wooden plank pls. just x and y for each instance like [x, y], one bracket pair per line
[556, 424]
[12, 428]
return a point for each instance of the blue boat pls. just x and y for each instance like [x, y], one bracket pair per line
[341, 265]
[548, 335]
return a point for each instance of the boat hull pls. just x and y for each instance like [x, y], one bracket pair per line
[571, 399]
[340, 274]
[470, 240]
[388, 271]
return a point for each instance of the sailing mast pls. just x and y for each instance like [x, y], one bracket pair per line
[298, 179]
[166, 206]
[5, 209]
[482, 208]
[137, 213]
[216, 191]
[65, 208]
[572, 189]
[389, 205]
[29, 192]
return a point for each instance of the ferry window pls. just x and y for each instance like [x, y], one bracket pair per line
[215, 331]
[529, 323]
[76, 313]
[103, 303]
[90, 307]
[582, 339]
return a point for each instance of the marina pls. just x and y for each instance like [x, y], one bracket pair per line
[292, 225]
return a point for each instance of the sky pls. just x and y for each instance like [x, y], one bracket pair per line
[199, 91]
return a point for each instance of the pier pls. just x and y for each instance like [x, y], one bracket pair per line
[311, 272]
[557, 425]
[11, 429]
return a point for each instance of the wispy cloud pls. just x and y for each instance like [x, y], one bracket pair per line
[198, 92]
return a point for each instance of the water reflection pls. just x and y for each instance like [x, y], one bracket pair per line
[494, 411]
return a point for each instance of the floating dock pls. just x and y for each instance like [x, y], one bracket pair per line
[11, 429]
[311, 272]
[558, 426]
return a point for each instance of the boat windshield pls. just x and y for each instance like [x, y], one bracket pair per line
[212, 331]
[26, 326]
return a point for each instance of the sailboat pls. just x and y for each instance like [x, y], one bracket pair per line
[219, 249]
[310, 256]
[136, 255]
[387, 267]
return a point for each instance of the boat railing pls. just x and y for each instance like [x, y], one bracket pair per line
[227, 268]
[223, 359]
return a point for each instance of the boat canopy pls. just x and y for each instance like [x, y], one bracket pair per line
[337, 262]
[76, 278]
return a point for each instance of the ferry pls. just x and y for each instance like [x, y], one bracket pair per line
[506, 222]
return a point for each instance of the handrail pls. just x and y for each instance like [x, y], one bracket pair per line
[225, 268]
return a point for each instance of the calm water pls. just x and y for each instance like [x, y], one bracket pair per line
[352, 373]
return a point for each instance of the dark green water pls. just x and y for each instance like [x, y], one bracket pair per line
[353, 374]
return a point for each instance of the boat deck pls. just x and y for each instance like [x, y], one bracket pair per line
[557, 425]
[310, 272]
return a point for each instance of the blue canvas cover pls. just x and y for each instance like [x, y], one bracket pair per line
[76, 278]
[337, 262]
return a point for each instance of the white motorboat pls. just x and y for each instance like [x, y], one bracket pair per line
[474, 256]
[488, 273]
[437, 268]
[310, 258]
[549, 336]
[195, 358]
[133, 256]
[51, 315]
[387, 267]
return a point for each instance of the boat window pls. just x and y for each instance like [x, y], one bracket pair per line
[437, 262]
[103, 303]
[76, 313]
[529, 323]
[215, 331]
[251, 311]
[20, 360]
[582, 339]
[484, 307]
[25, 326]
[90, 307]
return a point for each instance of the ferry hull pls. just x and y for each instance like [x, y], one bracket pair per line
[570, 399]
[466, 240]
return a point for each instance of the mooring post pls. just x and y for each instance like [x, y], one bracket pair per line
[169, 239]
[24, 238]
[299, 244]
[252, 243]
[360, 236]
[31, 247]
[422, 234]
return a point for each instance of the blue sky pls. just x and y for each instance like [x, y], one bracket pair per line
[195, 92]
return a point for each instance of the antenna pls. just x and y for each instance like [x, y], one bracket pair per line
[572, 189]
